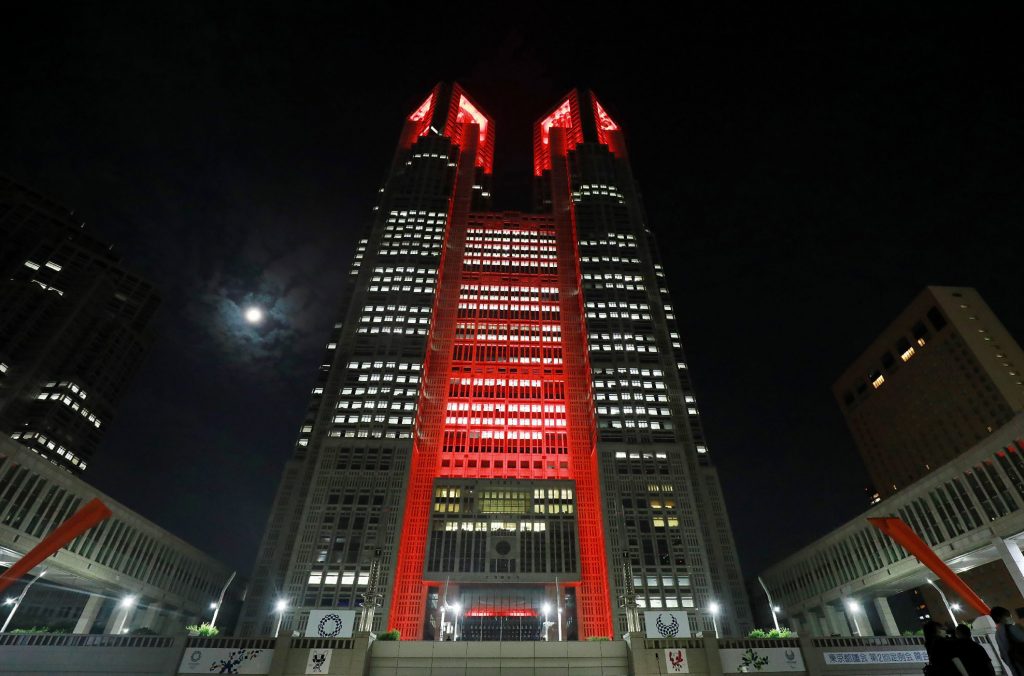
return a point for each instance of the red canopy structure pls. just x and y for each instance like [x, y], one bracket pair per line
[88, 516]
[909, 540]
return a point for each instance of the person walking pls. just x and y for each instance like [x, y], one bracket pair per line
[1009, 640]
[942, 658]
[974, 657]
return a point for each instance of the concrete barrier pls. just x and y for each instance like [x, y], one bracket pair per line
[85, 655]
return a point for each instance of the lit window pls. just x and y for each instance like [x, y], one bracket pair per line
[877, 382]
[907, 355]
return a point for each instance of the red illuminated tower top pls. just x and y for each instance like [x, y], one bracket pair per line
[584, 120]
[446, 112]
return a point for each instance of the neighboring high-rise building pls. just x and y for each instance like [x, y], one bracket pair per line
[72, 328]
[939, 379]
[504, 411]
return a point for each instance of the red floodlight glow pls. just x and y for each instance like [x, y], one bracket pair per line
[422, 113]
[468, 113]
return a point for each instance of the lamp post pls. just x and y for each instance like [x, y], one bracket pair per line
[279, 608]
[220, 600]
[715, 608]
[774, 608]
[127, 603]
[546, 608]
[854, 608]
[15, 602]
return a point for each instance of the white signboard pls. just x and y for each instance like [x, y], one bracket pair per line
[226, 661]
[319, 661]
[331, 623]
[877, 657]
[667, 624]
[676, 662]
[761, 660]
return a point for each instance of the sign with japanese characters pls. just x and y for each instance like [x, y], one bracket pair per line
[876, 657]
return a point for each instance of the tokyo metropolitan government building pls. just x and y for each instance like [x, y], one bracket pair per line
[503, 415]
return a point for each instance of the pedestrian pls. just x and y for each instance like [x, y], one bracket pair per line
[942, 658]
[1011, 648]
[974, 657]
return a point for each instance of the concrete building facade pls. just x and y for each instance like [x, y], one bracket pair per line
[939, 379]
[122, 575]
[504, 413]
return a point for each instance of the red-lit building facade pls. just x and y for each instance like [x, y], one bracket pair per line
[504, 412]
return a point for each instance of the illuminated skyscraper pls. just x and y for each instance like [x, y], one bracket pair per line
[504, 411]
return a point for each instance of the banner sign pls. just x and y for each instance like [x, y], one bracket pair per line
[761, 660]
[331, 623]
[676, 662]
[319, 661]
[877, 657]
[667, 624]
[226, 661]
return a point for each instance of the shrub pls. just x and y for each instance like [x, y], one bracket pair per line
[37, 630]
[393, 635]
[781, 632]
[204, 629]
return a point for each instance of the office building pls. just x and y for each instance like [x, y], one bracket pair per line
[939, 379]
[73, 327]
[504, 412]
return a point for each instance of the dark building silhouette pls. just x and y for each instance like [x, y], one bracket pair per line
[72, 328]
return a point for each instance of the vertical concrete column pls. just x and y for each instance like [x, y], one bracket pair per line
[889, 626]
[858, 620]
[151, 617]
[89, 613]
[814, 622]
[121, 619]
[1009, 552]
[712, 654]
[836, 620]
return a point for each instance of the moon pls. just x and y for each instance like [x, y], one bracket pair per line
[253, 315]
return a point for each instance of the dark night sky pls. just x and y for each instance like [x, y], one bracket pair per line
[807, 170]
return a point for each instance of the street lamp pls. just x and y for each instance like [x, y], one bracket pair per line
[456, 609]
[16, 602]
[279, 608]
[714, 608]
[126, 605]
[954, 607]
[546, 608]
[854, 608]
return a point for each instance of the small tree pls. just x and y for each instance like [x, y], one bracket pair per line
[204, 629]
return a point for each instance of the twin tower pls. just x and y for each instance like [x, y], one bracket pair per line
[503, 439]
